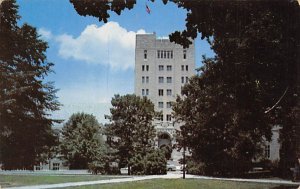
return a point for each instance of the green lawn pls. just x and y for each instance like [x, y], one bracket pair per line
[23, 180]
[185, 184]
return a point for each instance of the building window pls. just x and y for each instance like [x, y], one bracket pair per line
[55, 166]
[38, 167]
[182, 67]
[169, 117]
[160, 67]
[160, 104]
[187, 68]
[160, 92]
[147, 79]
[184, 53]
[169, 68]
[143, 79]
[169, 79]
[160, 79]
[182, 79]
[145, 54]
[147, 92]
[143, 92]
[169, 105]
[147, 67]
[267, 151]
[143, 67]
[161, 117]
[186, 79]
[169, 92]
[164, 54]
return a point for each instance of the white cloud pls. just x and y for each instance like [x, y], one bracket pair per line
[109, 44]
[45, 34]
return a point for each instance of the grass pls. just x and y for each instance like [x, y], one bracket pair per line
[24, 180]
[185, 184]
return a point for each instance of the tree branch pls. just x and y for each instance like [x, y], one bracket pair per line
[269, 109]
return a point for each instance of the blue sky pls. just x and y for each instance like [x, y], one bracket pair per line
[93, 60]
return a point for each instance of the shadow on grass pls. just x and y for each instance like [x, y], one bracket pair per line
[285, 187]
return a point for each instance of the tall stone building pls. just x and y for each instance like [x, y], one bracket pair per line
[161, 69]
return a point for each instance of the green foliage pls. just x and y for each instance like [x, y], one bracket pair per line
[154, 163]
[82, 142]
[251, 83]
[167, 150]
[195, 168]
[99, 8]
[50, 151]
[228, 135]
[104, 166]
[96, 167]
[25, 99]
[226, 107]
[137, 164]
[131, 130]
[112, 169]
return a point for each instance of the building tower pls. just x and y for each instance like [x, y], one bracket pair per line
[161, 69]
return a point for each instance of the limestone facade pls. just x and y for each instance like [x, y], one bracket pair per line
[161, 69]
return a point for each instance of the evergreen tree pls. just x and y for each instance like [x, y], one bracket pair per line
[25, 99]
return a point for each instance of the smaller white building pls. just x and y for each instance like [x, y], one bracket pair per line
[55, 164]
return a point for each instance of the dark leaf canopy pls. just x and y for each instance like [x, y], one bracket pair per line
[26, 101]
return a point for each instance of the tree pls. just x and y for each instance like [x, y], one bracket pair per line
[229, 136]
[256, 49]
[51, 151]
[131, 126]
[255, 72]
[232, 95]
[82, 141]
[25, 99]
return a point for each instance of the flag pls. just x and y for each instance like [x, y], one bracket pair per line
[148, 9]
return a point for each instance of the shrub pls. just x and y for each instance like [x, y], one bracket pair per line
[137, 164]
[195, 168]
[101, 167]
[167, 149]
[96, 167]
[154, 163]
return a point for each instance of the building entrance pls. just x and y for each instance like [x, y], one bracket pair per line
[165, 143]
